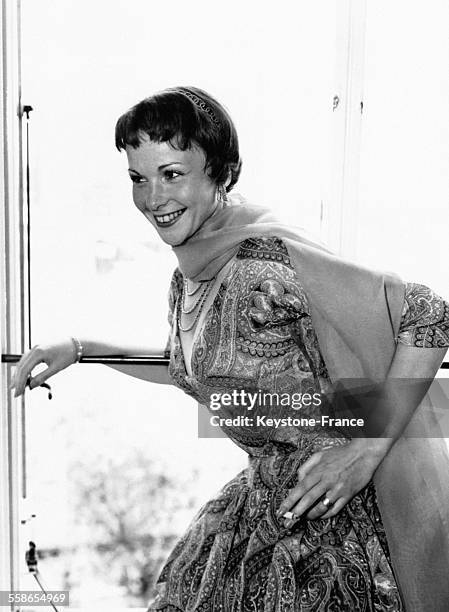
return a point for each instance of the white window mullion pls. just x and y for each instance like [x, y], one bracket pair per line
[341, 212]
[11, 305]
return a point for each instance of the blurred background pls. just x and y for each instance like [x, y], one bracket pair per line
[115, 468]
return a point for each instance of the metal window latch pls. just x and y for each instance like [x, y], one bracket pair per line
[27, 110]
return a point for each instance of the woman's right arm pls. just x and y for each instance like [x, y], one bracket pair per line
[151, 373]
[59, 355]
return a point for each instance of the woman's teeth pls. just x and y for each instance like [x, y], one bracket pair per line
[168, 219]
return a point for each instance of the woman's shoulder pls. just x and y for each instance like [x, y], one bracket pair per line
[264, 248]
[266, 283]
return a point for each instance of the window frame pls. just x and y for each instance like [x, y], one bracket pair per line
[12, 305]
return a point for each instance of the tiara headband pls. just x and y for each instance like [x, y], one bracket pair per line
[202, 105]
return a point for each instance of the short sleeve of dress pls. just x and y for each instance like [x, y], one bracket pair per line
[425, 318]
[173, 293]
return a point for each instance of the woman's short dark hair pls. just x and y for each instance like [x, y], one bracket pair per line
[185, 116]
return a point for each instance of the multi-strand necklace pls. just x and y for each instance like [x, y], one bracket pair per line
[203, 291]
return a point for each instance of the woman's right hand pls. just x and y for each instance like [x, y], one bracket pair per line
[57, 356]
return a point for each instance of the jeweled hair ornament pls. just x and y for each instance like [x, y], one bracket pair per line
[202, 105]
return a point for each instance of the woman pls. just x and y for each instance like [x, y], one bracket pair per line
[314, 522]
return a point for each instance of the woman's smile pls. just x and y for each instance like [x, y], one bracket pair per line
[168, 219]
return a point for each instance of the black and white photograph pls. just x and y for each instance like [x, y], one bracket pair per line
[224, 306]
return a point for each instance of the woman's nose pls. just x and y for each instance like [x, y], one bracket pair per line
[155, 196]
[150, 196]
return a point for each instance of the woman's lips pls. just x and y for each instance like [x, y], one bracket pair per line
[168, 219]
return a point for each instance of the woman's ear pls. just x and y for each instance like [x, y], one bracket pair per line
[228, 180]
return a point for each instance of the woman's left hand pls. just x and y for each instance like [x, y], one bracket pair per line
[335, 474]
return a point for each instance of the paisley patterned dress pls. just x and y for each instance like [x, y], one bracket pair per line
[237, 555]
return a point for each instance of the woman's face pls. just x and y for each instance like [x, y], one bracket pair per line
[171, 188]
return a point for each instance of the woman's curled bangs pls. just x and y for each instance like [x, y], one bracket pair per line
[160, 122]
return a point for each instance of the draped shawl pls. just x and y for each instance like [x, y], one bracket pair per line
[356, 314]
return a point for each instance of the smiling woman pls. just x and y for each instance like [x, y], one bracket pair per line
[110, 276]
[256, 306]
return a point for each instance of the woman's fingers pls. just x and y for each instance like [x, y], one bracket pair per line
[57, 356]
[307, 500]
[335, 508]
[323, 477]
[333, 476]
[37, 380]
[307, 478]
[327, 502]
[24, 368]
[298, 492]
[313, 460]
[321, 508]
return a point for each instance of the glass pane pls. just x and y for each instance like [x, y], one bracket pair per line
[403, 221]
[116, 469]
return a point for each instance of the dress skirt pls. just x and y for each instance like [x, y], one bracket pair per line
[237, 556]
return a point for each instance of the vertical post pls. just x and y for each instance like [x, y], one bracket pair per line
[340, 216]
[12, 288]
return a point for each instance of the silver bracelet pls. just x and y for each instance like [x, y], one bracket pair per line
[78, 348]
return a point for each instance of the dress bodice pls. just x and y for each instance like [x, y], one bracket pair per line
[256, 336]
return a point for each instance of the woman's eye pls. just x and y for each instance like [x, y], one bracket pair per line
[136, 179]
[171, 174]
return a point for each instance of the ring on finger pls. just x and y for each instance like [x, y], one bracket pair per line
[326, 502]
[290, 516]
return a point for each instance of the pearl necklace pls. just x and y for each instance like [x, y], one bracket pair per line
[198, 305]
[190, 293]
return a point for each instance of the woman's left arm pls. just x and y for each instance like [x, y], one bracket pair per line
[340, 473]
